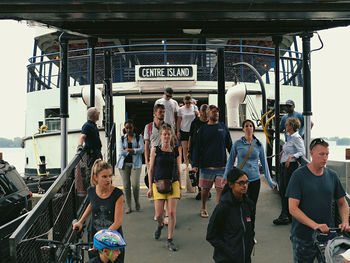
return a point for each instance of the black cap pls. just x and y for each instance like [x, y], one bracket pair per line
[169, 90]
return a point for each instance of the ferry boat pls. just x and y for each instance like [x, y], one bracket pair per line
[141, 70]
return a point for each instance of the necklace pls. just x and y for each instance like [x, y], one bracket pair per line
[166, 147]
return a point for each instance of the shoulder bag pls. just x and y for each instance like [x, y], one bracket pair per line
[165, 186]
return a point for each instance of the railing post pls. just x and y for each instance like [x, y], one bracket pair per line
[92, 43]
[277, 41]
[221, 84]
[63, 40]
[307, 92]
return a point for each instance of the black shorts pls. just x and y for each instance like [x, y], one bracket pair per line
[184, 136]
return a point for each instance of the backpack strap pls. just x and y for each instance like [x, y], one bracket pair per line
[150, 127]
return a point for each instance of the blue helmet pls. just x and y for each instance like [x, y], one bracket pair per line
[108, 238]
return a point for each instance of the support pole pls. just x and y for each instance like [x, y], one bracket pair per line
[92, 43]
[221, 84]
[277, 41]
[307, 92]
[63, 40]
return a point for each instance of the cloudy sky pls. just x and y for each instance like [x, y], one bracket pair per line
[329, 72]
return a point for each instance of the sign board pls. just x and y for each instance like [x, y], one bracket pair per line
[165, 72]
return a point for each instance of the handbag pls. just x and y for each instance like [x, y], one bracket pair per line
[164, 186]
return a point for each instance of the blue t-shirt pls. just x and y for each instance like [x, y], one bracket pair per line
[92, 140]
[316, 195]
[297, 115]
[211, 145]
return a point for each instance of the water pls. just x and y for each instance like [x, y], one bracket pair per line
[16, 157]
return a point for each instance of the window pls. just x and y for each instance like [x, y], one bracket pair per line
[52, 119]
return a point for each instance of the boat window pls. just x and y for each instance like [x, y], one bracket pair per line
[52, 119]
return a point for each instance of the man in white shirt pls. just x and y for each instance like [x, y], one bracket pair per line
[171, 107]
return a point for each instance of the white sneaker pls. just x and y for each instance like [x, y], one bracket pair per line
[255, 241]
[166, 220]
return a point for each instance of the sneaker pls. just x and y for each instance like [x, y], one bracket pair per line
[166, 220]
[281, 221]
[171, 246]
[255, 241]
[158, 232]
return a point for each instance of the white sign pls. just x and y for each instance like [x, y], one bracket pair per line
[165, 72]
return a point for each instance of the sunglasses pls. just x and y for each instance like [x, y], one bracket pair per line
[241, 183]
[188, 103]
[165, 125]
[315, 142]
[168, 95]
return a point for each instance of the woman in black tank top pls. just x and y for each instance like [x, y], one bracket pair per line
[106, 203]
[165, 164]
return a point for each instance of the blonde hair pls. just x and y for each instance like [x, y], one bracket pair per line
[98, 166]
[294, 122]
[166, 127]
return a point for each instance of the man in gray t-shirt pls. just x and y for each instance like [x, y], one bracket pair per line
[311, 192]
[151, 134]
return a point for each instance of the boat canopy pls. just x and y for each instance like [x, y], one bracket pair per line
[161, 18]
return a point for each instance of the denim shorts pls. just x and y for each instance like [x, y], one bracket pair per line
[208, 176]
[305, 251]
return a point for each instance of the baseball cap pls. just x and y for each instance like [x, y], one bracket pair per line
[212, 107]
[290, 102]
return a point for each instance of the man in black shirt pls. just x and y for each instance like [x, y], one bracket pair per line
[91, 137]
[195, 125]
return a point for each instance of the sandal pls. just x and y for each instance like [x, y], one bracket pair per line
[128, 211]
[204, 213]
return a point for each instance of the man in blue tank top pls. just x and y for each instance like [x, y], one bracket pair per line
[311, 192]
[209, 155]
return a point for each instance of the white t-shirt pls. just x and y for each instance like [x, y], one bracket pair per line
[187, 115]
[171, 107]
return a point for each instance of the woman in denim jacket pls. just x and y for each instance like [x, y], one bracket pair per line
[131, 148]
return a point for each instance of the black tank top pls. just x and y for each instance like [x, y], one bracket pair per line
[165, 164]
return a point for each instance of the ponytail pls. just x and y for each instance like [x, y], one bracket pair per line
[257, 141]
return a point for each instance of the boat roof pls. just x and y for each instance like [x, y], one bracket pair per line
[178, 18]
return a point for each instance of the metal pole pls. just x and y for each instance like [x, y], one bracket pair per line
[221, 84]
[277, 41]
[92, 43]
[307, 92]
[63, 97]
[108, 90]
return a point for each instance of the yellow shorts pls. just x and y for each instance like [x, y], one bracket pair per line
[174, 194]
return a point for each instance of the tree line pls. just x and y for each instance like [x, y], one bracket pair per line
[339, 141]
[8, 143]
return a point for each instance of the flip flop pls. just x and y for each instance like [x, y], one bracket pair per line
[204, 213]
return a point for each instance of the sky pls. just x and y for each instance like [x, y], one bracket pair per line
[329, 80]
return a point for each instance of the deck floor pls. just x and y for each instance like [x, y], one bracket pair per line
[138, 227]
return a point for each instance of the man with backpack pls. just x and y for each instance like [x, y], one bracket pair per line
[151, 134]
[209, 156]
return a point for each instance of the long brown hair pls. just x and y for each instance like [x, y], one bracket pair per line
[98, 166]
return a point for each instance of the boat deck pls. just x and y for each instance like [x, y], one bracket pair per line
[138, 227]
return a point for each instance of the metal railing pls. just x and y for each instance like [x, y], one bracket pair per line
[45, 73]
[52, 217]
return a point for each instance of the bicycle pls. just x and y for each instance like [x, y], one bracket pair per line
[75, 249]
